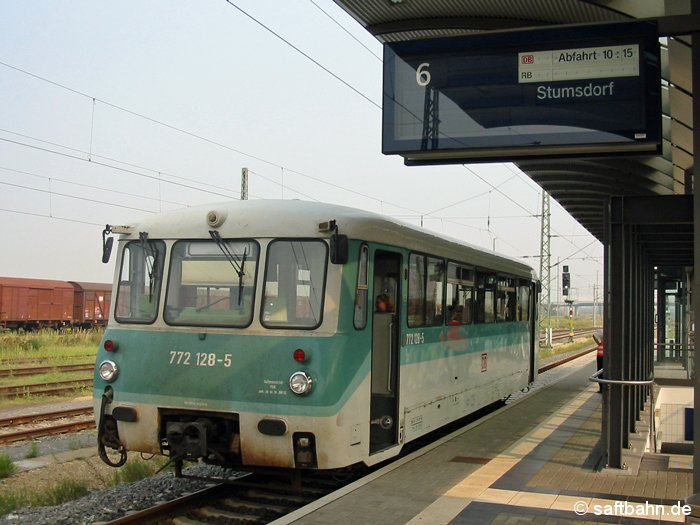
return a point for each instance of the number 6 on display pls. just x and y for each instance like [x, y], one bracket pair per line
[422, 74]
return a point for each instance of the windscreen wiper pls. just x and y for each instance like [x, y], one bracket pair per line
[147, 246]
[232, 259]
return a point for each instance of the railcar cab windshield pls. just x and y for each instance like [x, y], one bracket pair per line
[140, 279]
[214, 282]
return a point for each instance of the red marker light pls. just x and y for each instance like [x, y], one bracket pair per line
[110, 345]
[299, 355]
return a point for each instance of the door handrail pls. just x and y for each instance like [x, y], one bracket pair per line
[632, 382]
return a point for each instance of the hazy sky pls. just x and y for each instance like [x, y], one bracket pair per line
[112, 111]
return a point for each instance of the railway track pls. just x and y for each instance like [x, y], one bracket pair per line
[38, 370]
[250, 499]
[24, 419]
[563, 334]
[44, 424]
[44, 389]
[565, 359]
[44, 431]
[29, 361]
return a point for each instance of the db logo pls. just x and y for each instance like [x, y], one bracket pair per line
[527, 59]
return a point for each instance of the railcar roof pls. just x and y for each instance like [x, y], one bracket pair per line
[267, 218]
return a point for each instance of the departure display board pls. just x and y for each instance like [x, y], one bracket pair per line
[567, 91]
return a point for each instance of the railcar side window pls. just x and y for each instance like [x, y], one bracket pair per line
[460, 294]
[485, 294]
[505, 299]
[295, 277]
[524, 301]
[426, 277]
[139, 285]
[434, 291]
[211, 286]
[360, 318]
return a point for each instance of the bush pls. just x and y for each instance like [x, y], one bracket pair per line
[33, 450]
[133, 471]
[7, 467]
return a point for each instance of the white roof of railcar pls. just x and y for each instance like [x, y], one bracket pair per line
[267, 218]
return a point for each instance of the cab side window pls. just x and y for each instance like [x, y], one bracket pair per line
[361, 290]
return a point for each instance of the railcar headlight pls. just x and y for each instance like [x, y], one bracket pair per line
[300, 383]
[108, 370]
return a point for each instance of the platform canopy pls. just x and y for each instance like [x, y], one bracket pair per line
[581, 186]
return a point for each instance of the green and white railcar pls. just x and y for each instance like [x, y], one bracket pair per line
[245, 334]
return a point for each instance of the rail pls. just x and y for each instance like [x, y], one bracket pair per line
[595, 378]
[549, 336]
[44, 389]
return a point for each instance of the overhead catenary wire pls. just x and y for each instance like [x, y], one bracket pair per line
[464, 200]
[496, 188]
[139, 115]
[90, 186]
[520, 205]
[24, 212]
[305, 55]
[345, 30]
[469, 217]
[159, 173]
[76, 157]
[85, 199]
[282, 185]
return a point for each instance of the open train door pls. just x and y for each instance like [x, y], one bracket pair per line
[385, 352]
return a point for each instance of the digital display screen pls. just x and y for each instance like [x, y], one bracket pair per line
[565, 91]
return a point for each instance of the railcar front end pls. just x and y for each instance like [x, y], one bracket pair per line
[200, 363]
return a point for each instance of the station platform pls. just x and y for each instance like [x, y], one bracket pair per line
[535, 460]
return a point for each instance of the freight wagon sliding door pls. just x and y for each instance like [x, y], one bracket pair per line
[385, 352]
[78, 306]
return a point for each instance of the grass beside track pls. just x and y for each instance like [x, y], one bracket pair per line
[65, 490]
[46, 348]
[579, 343]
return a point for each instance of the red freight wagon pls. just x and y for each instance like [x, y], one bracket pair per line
[35, 303]
[91, 303]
